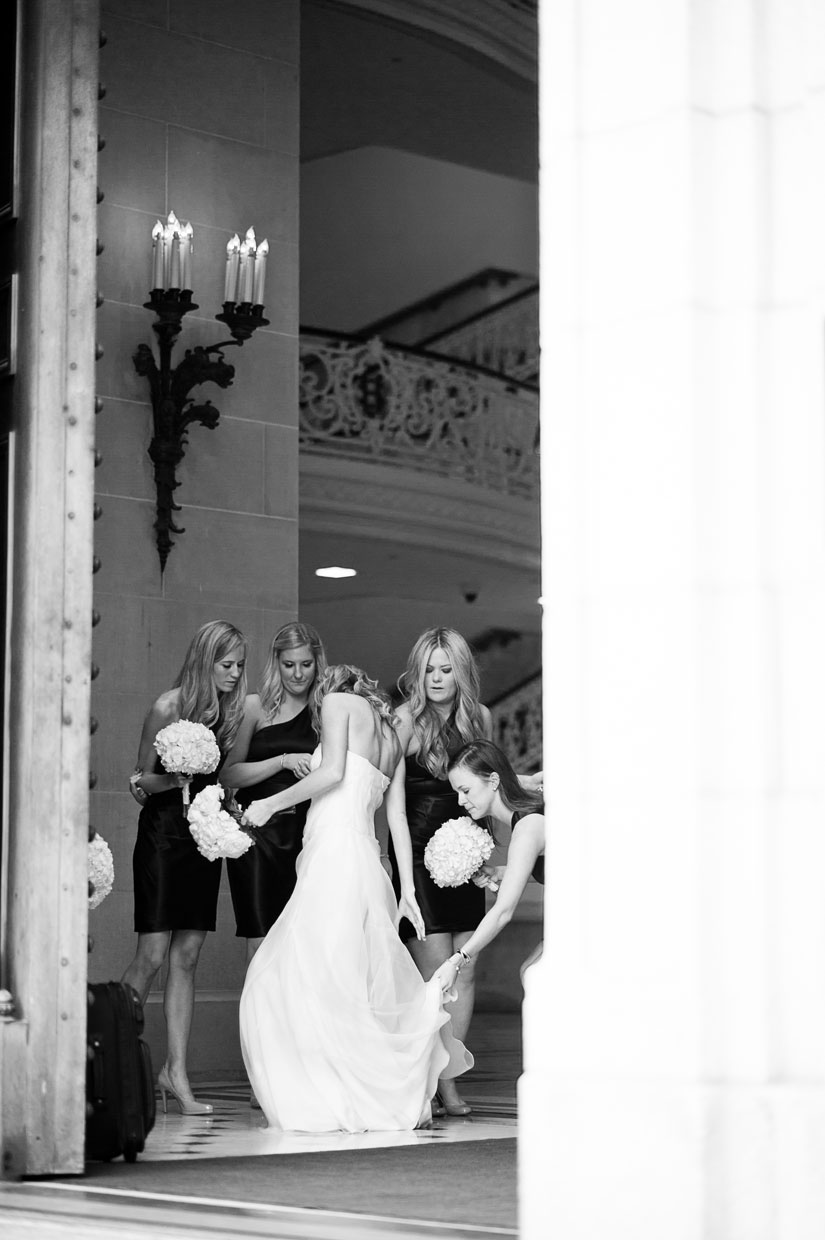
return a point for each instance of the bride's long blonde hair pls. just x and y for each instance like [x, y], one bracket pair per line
[344, 678]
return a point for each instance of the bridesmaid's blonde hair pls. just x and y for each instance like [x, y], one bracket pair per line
[289, 637]
[200, 701]
[465, 720]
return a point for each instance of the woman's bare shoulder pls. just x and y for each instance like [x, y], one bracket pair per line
[167, 706]
[530, 828]
[404, 725]
[342, 703]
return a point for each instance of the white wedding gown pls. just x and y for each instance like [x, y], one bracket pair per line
[338, 1029]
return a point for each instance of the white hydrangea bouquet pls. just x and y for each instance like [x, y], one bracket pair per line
[214, 829]
[456, 852]
[101, 870]
[187, 748]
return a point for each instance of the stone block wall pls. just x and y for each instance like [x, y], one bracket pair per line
[200, 117]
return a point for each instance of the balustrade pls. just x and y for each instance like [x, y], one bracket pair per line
[367, 400]
[504, 338]
[517, 725]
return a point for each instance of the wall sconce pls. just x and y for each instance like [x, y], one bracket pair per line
[173, 408]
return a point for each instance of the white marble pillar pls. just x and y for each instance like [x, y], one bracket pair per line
[675, 1028]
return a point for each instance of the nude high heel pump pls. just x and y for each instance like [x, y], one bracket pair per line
[453, 1108]
[186, 1108]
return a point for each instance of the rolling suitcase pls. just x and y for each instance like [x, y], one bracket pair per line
[120, 1088]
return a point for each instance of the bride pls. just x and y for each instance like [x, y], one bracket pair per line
[338, 1029]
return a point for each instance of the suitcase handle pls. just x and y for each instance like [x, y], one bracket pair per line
[98, 1075]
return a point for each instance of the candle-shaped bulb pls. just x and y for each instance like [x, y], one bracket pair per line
[250, 239]
[174, 251]
[245, 273]
[230, 288]
[157, 256]
[260, 273]
[186, 251]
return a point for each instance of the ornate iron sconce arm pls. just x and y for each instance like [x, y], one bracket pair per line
[173, 408]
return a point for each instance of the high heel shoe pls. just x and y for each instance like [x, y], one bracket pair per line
[186, 1108]
[453, 1108]
[437, 1108]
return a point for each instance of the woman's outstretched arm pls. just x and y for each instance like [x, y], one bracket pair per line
[335, 713]
[526, 846]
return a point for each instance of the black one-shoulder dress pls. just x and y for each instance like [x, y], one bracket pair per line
[431, 802]
[175, 887]
[263, 879]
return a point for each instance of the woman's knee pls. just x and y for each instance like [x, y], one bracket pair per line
[185, 951]
[151, 953]
[430, 954]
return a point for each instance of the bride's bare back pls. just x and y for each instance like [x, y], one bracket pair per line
[369, 735]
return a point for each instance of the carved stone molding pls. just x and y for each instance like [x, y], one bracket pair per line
[503, 30]
[402, 505]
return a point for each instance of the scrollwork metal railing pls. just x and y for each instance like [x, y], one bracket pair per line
[517, 724]
[504, 338]
[371, 401]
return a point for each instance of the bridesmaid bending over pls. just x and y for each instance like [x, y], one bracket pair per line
[441, 713]
[271, 752]
[176, 889]
[488, 787]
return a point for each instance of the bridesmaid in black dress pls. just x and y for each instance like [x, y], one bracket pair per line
[176, 889]
[488, 787]
[271, 752]
[441, 713]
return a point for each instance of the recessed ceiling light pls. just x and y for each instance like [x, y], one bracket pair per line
[335, 570]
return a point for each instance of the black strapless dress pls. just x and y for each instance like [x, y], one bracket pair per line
[263, 879]
[175, 887]
[446, 910]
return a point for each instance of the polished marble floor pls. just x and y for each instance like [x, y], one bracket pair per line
[235, 1129]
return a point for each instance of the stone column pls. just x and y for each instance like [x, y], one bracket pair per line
[43, 1048]
[675, 1028]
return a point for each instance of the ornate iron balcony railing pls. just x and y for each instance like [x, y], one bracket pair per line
[504, 338]
[371, 401]
[517, 724]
